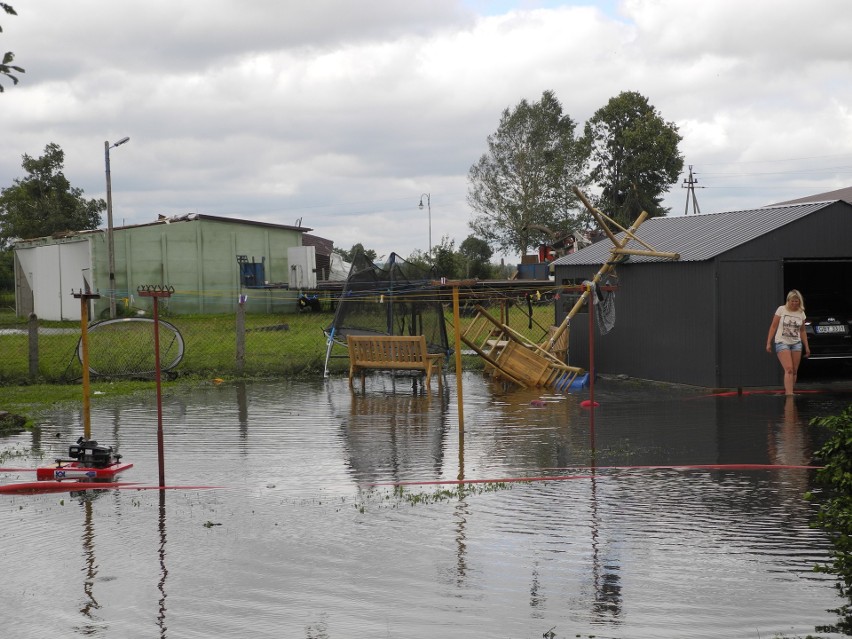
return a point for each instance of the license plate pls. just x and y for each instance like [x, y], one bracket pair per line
[840, 328]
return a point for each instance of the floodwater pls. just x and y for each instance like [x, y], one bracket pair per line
[302, 533]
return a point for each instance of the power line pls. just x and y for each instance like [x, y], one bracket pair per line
[810, 157]
[826, 169]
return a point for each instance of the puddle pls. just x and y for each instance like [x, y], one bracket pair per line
[661, 521]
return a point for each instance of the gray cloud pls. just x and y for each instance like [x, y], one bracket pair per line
[343, 113]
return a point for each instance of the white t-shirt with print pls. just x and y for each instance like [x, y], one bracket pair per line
[789, 326]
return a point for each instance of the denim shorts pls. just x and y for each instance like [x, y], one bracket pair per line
[781, 346]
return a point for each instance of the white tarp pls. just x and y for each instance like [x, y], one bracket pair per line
[338, 268]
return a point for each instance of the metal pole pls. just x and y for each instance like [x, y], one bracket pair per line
[429, 209]
[156, 292]
[592, 364]
[241, 334]
[110, 244]
[459, 397]
[110, 241]
[457, 331]
[32, 342]
[84, 343]
[84, 297]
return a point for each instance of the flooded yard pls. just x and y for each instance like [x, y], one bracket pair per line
[299, 509]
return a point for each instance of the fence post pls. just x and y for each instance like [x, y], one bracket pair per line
[241, 334]
[32, 326]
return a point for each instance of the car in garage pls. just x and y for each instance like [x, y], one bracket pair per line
[829, 332]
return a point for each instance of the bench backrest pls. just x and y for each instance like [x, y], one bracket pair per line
[387, 348]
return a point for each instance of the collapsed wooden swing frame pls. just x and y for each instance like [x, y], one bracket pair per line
[525, 363]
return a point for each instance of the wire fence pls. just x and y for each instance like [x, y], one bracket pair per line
[224, 345]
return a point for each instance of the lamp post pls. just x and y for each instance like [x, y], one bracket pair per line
[429, 207]
[110, 243]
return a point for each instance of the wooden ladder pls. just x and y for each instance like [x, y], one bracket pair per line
[516, 358]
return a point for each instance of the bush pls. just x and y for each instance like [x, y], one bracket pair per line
[835, 512]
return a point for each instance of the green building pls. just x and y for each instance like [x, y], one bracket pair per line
[209, 261]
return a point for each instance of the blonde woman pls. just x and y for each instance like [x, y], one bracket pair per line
[787, 336]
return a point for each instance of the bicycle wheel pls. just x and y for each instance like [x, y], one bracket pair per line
[125, 346]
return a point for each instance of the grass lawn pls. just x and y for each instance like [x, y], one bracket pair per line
[275, 345]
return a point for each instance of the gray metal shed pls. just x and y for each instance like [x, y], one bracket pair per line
[703, 320]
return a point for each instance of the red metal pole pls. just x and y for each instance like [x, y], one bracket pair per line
[592, 365]
[84, 343]
[156, 292]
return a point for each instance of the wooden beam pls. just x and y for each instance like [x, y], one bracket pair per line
[652, 253]
[604, 270]
[596, 214]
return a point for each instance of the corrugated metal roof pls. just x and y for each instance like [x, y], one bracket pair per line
[188, 217]
[698, 237]
[844, 194]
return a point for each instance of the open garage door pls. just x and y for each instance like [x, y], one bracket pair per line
[826, 286]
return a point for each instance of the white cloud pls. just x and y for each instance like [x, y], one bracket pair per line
[342, 114]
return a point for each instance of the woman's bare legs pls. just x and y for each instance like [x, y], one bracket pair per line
[790, 363]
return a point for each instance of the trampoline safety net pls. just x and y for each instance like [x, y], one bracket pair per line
[394, 298]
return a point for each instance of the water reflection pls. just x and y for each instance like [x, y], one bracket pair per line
[164, 572]
[787, 444]
[605, 569]
[460, 475]
[661, 538]
[397, 433]
[461, 513]
[90, 568]
[92, 625]
[536, 597]
[242, 412]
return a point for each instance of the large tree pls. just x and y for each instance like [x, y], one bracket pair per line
[6, 66]
[44, 202]
[525, 177]
[634, 157]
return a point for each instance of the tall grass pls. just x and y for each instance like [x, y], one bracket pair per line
[291, 344]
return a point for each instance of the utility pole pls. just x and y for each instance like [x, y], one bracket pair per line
[690, 185]
[110, 240]
[429, 206]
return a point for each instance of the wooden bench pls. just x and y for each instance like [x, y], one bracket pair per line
[392, 352]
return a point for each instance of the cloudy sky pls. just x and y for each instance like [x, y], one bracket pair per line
[341, 114]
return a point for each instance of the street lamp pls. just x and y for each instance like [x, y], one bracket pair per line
[428, 206]
[110, 244]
